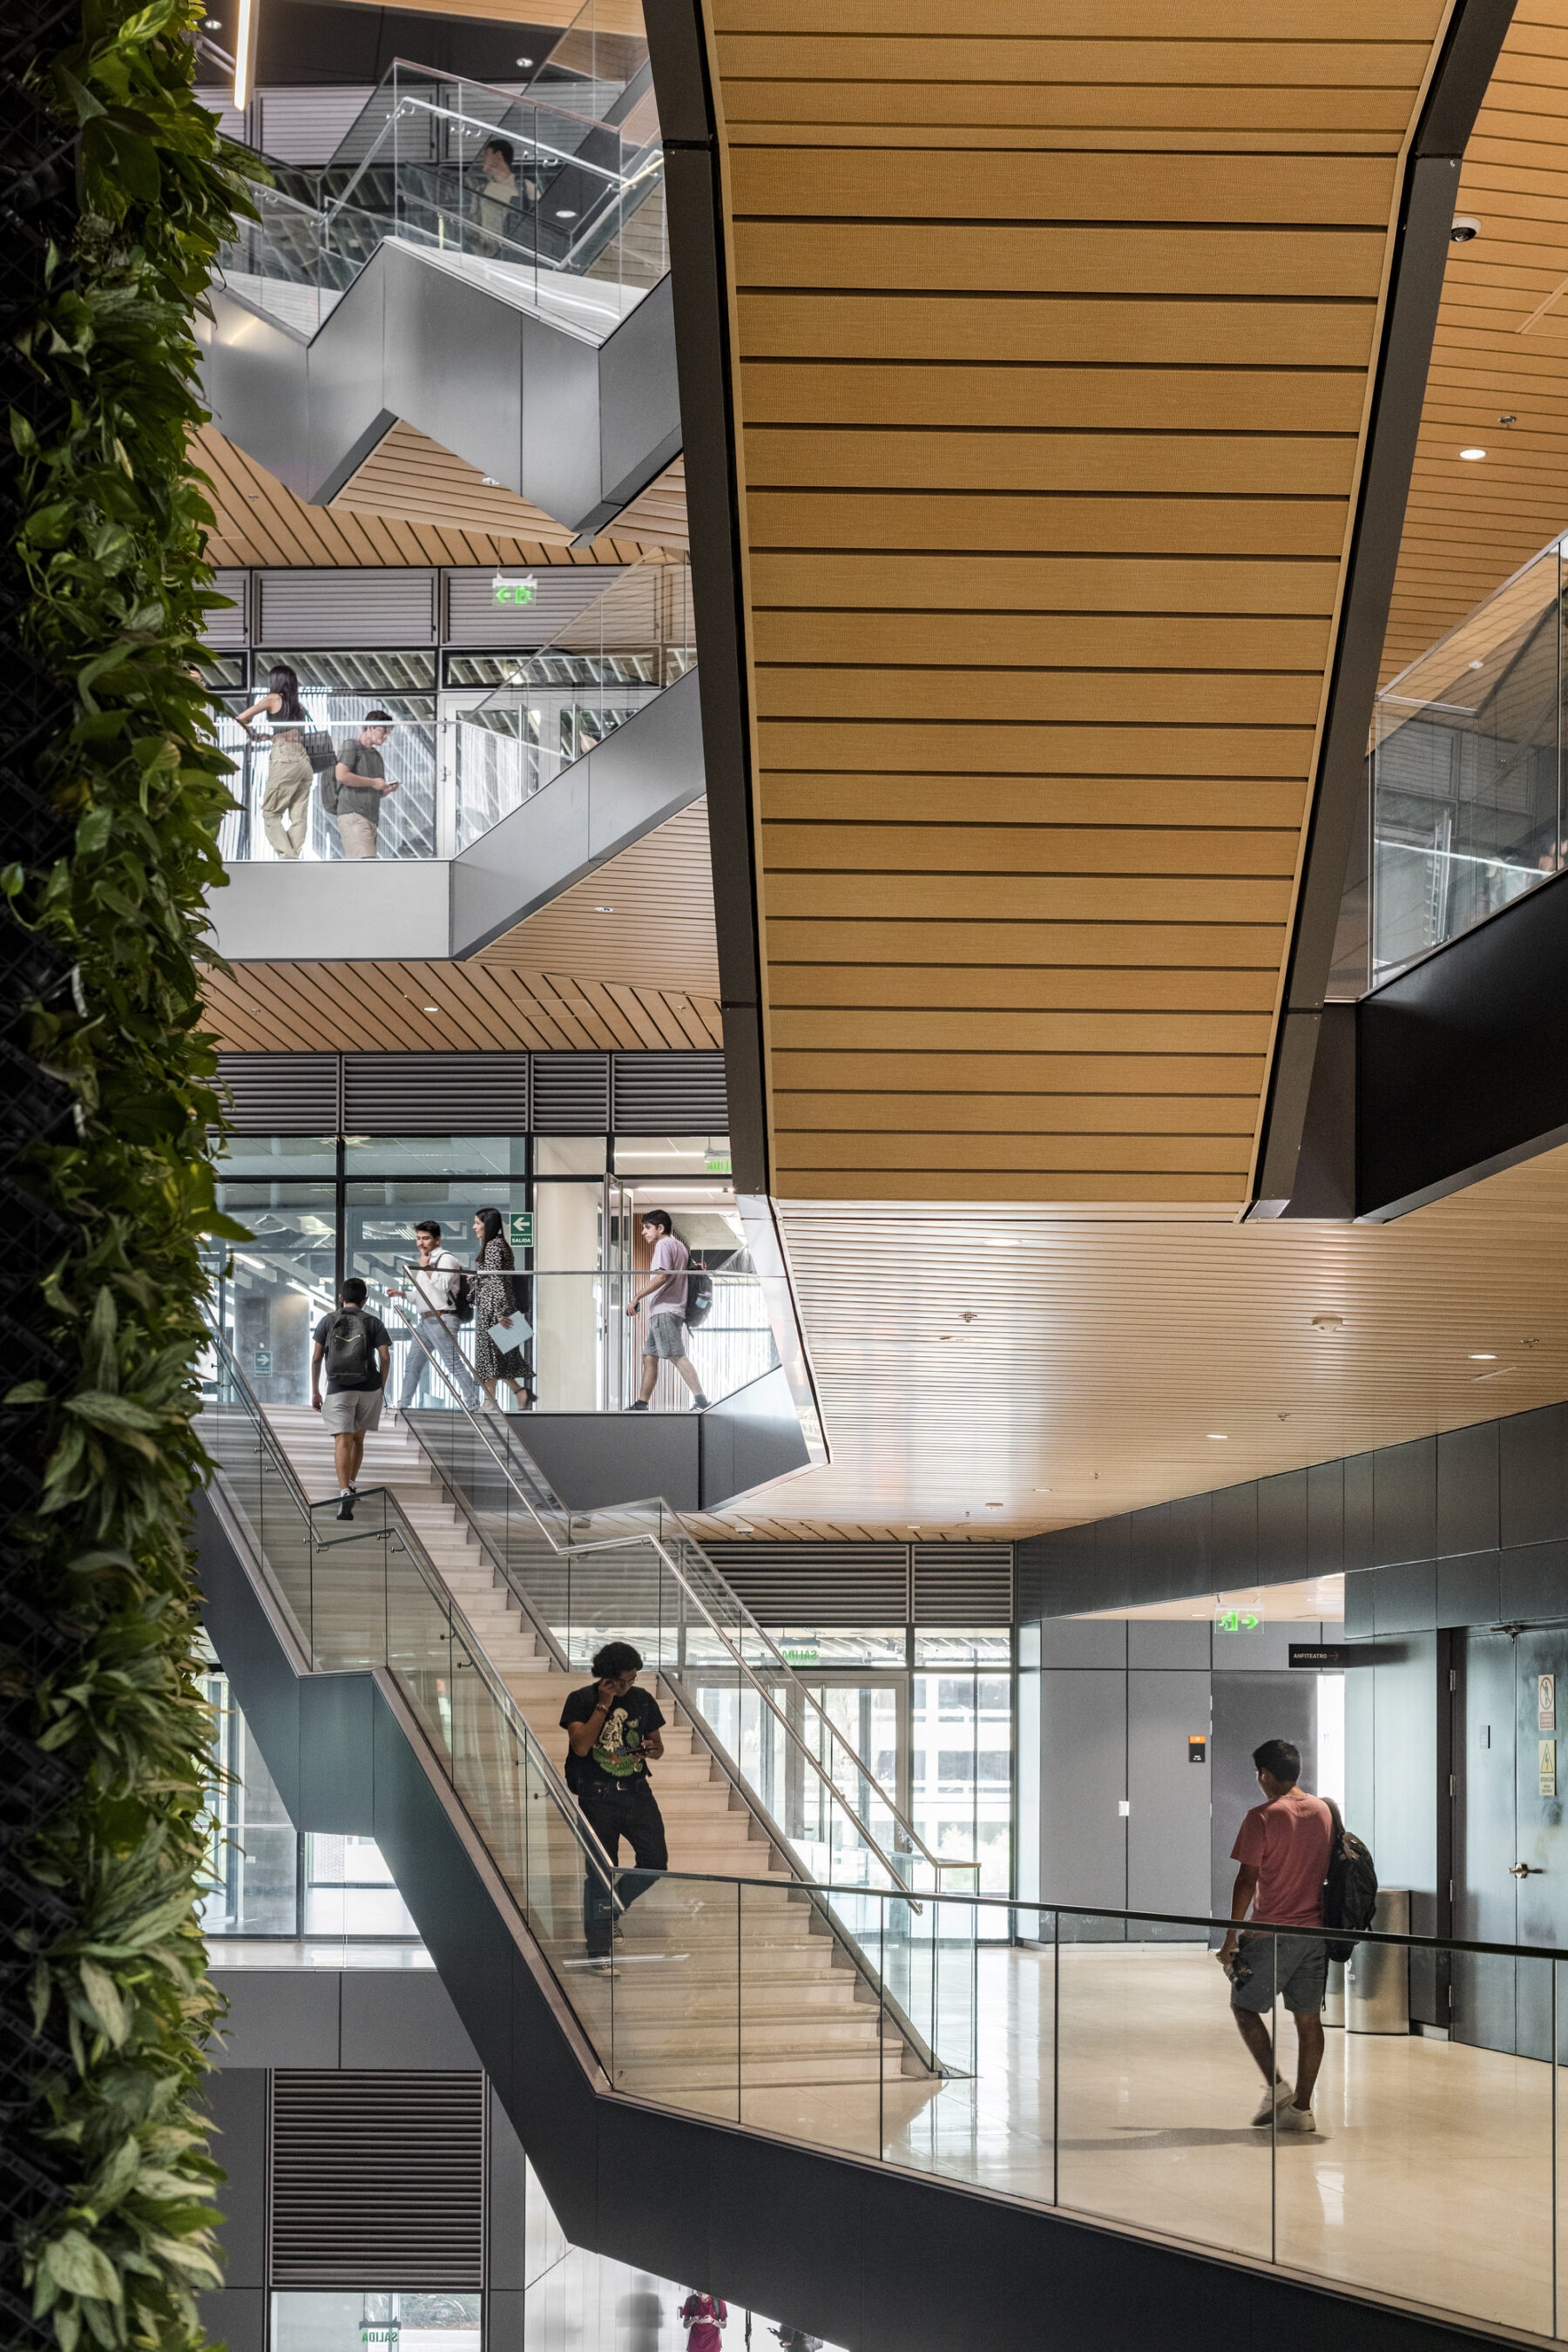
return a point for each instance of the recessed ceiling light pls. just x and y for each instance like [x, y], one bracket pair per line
[1219, 1437]
[1483, 1360]
[1042, 1490]
[1472, 454]
[572, 216]
[432, 1008]
[525, 61]
[996, 1240]
[490, 481]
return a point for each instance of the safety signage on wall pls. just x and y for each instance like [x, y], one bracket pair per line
[1546, 1702]
[1548, 1767]
[1239, 1621]
[519, 1229]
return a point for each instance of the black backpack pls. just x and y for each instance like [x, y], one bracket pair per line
[462, 1299]
[1350, 1890]
[347, 1352]
[698, 1295]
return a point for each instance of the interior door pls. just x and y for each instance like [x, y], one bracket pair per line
[1511, 1852]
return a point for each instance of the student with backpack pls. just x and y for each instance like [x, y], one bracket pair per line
[355, 1349]
[674, 1299]
[443, 1296]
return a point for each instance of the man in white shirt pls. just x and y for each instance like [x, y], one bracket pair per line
[434, 1289]
[665, 1295]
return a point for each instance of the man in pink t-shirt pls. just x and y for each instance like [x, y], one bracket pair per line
[665, 1299]
[1283, 1848]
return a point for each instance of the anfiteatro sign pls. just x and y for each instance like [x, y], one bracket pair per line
[514, 592]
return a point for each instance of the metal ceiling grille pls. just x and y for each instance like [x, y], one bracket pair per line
[559, 593]
[571, 1094]
[306, 126]
[227, 630]
[282, 1094]
[348, 608]
[962, 1584]
[679, 1092]
[798, 1586]
[378, 2181]
[435, 1093]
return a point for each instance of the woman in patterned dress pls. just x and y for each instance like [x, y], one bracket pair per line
[494, 1301]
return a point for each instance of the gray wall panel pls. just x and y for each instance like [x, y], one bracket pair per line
[1083, 1767]
[336, 1790]
[1168, 1829]
[1083, 1642]
[639, 399]
[1161, 1641]
[236, 2099]
[748, 1439]
[253, 380]
[452, 364]
[560, 423]
[234, 2317]
[594, 1459]
[280, 2017]
[401, 2017]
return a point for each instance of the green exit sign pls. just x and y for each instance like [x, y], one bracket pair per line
[718, 1164]
[515, 592]
[801, 1654]
[1238, 1620]
[519, 1229]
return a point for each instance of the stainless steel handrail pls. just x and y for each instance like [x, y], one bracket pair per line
[581, 1829]
[792, 1735]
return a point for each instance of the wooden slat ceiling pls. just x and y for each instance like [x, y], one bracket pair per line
[410, 476]
[1103, 1352]
[625, 957]
[258, 521]
[1054, 331]
[261, 1008]
[1499, 352]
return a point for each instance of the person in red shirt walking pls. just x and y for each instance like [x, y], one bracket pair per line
[704, 2315]
[1283, 1848]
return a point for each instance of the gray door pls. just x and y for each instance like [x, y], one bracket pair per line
[1168, 1828]
[1485, 1911]
[1504, 1826]
[1247, 1710]
[1083, 1767]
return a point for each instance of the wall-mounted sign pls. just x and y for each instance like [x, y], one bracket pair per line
[718, 1164]
[1197, 1747]
[1239, 1621]
[1548, 1762]
[800, 1649]
[262, 1361]
[1316, 1656]
[519, 1229]
[1546, 1702]
[514, 592]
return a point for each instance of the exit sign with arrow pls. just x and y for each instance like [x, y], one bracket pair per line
[1239, 1621]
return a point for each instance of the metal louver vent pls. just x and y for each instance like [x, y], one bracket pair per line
[305, 126]
[282, 1094]
[571, 1094]
[797, 1586]
[673, 1092]
[228, 630]
[560, 592]
[378, 2181]
[962, 1584]
[435, 1093]
[348, 608]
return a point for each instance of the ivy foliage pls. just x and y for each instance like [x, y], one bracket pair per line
[109, 849]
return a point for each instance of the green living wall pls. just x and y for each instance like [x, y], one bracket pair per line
[113, 200]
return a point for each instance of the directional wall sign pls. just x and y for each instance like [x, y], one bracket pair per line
[1239, 1621]
[1317, 1655]
[519, 1229]
[514, 592]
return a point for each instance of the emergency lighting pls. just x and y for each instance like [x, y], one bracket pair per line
[514, 592]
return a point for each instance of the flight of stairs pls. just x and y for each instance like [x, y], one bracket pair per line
[708, 1981]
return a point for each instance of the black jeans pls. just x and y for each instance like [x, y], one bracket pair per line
[631, 1812]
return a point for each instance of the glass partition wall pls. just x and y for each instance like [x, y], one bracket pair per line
[1464, 808]
[321, 1207]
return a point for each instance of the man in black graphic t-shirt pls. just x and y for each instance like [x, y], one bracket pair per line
[611, 1730]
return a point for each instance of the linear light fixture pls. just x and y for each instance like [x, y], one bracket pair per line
[245, 53]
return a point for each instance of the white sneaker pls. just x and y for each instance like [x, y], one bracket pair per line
[1278, 2095]
[1295, 2119]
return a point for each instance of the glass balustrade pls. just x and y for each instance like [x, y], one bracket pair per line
[461, 759]
[539, 200]
[1465, 805]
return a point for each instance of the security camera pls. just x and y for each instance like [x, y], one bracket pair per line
[1466, 228]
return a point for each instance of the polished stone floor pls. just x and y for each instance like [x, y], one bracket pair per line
[1430, 2180]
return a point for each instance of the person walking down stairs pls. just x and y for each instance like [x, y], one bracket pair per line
[354, 1349]
[611, 1730]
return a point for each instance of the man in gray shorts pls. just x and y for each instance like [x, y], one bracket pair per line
[665, 1299]
[355, 1350]
[1283, 1848]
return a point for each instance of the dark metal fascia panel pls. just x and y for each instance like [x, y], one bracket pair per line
[1476, 34]
[694, 197]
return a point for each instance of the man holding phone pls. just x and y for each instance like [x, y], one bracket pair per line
[613, 1729]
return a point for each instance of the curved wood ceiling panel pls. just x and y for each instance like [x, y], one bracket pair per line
[1501, 350]
[1053, 335]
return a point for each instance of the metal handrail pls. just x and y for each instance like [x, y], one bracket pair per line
[582, 1829]
[618, 1542]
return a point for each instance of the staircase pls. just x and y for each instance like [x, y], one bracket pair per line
[667, 2014]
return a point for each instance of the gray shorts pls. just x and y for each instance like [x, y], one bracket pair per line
[350, 1409]
[1296, 1966]
[666, 1334]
